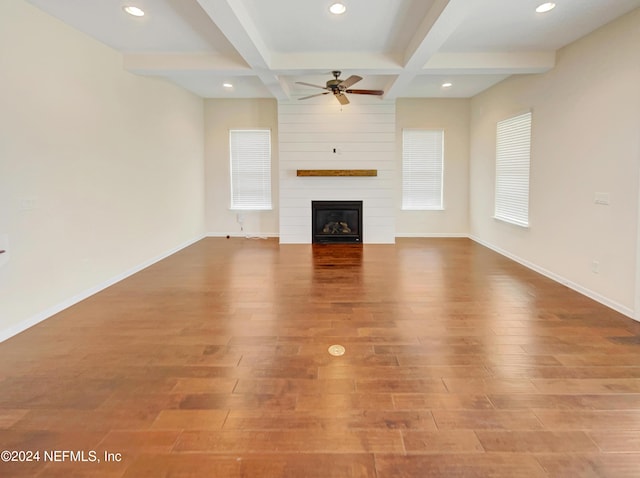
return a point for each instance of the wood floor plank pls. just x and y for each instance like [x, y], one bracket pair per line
[476, 465]
[443, 441]
[223, 401]
[618, 465]
[490, 385]
[292, 441]
[214, 362]
[598, 359]
[612, 401]
[486, 419]
[582, 386]
[240, 465]
[87, 420]
[536, 441]
[400, 385]
[413, 401]
[8, 417]
[212, 385]
[331, 419]
[348, 401]
[555, 372]
[590, 419]
[136, 441]
[302, 386]
[617, 441]
[190, 420]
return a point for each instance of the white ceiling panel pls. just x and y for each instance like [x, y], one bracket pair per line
[405, 47]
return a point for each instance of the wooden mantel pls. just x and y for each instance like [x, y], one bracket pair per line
[337, 172]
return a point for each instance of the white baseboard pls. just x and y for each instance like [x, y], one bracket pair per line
[562, 280]
[242, 234]
[45, 314]
[434, 234]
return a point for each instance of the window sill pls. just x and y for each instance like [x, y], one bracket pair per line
[239, 209]
[523, 225]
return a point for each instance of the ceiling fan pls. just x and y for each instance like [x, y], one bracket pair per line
[339, 87]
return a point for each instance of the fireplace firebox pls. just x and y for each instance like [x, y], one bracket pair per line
[336, 221]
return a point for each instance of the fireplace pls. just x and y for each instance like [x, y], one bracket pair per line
[336, 221]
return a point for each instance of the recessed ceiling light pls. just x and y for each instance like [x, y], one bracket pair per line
[546, 7]
[447, 85]
[337, 8]
[135, 11]
[227, 85]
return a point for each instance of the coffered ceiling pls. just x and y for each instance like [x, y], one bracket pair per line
[408, 48]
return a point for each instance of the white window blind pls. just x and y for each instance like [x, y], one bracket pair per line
[513, 153]
[422, 157]
[250, 169]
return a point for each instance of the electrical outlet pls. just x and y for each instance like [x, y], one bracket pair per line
[240, 220]
[595, 267]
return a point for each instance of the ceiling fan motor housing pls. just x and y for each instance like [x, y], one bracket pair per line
[335, 83]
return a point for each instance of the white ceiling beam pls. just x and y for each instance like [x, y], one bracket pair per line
[236, 24]
[512, 63]
[324, 62]
[161, 63]
[442, 19]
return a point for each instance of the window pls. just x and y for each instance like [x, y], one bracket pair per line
[250, 169]
[513, 151]
[422, 157]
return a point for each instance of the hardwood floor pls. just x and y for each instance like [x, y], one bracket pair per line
[214, 363]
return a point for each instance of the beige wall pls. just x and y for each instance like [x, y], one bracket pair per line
[451, 115]
[585, 139]
[101, 171]
[221, 115]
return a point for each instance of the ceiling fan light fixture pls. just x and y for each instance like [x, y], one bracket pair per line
[337, 8]
[339, 87]
[545, 7]
[134, 11]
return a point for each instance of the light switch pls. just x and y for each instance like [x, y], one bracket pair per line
[602, 199]
[4, 246]
[28, 204]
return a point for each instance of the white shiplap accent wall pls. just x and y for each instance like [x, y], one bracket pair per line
[363, 134]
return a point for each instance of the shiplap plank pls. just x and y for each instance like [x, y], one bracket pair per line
[315, 160]
[298, 108]
[388, 118]
[346, 147]
[356, 127]
[330, 194]
[334, 138]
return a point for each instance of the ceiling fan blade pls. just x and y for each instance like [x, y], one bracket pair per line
[342, 98]
[309, 84]
[352, 80]
[313, 96]
[366, 92]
